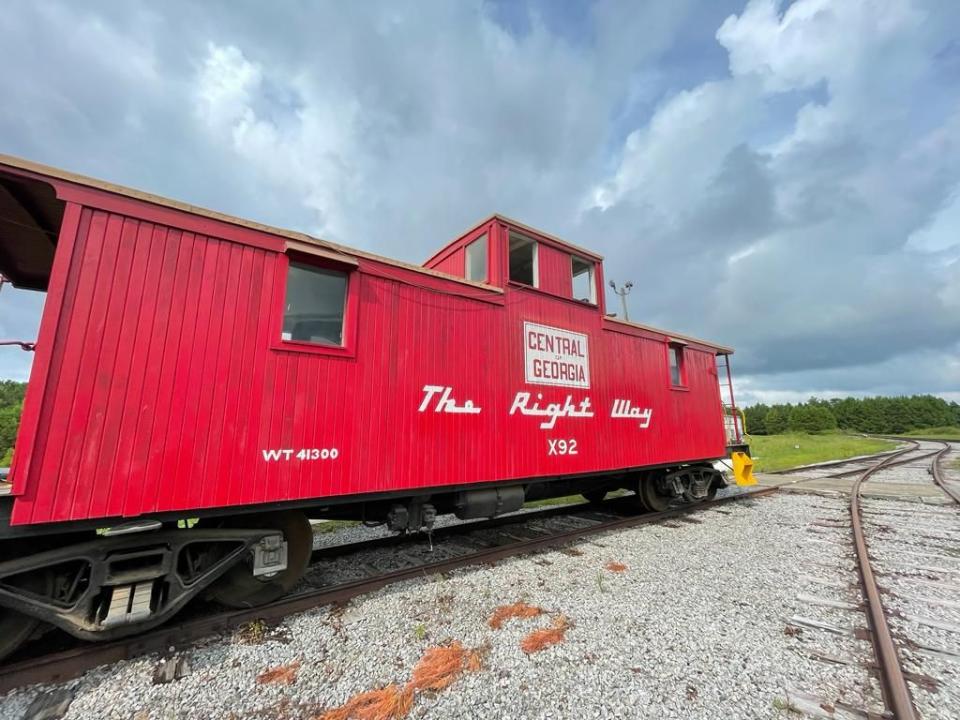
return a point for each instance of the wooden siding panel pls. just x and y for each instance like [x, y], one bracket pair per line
[166, 385]
[554, 269]
[125, 304]
[149, 257]
[452, 264]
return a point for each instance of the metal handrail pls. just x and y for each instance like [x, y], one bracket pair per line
[22, 344]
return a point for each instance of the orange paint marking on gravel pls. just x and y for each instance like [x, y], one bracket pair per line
[517, 610]
[438, 668]
[441, 666]
[541, 639]
[282, 675]
[387, 703]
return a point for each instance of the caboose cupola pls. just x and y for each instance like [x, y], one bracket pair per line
[510, 255]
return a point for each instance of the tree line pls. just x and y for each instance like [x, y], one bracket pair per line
[11, 405]
[882, 415]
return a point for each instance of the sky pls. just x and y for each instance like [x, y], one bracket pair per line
[783, 177]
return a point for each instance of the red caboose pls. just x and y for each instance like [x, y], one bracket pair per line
[194, 365]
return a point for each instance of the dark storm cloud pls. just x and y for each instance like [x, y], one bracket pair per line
[788, 187]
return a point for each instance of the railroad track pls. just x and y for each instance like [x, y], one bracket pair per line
[860, 463]
[456, 545]
[463, 545]
[836, 463]
[939, 477]
[906, 590]
[891, 459]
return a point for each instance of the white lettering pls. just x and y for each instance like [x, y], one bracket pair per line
[428, 392]
[551, 411]
[304, 454]
[562, 447]
[623, 409]
[445, 403]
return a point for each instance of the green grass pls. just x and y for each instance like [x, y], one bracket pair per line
[567, 500]
[936, 433]
[777, 452]
[333, 526]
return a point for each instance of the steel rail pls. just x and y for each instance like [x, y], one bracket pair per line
[67, 664]
[896, 693]
[895, 463]
[327, 551]
[890, 460]
[838, 463]
[938, 476]
[916, 437]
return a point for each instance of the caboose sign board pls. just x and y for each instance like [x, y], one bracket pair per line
[555, 357]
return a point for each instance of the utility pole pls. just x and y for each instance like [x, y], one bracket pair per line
[623, 292]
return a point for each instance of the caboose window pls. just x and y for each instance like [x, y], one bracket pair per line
[523, 260]
[677, 375]
[314, 306]
[583, 286]
[477, 259]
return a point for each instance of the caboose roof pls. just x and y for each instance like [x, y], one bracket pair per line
[523, 229]
[334, 250]
[108, 187]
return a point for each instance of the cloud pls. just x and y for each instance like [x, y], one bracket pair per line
[824, 279]
[815, 40]
[897, 376]
[782, 177]
[295, 141]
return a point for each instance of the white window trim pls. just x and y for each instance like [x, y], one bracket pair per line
[679, 348]
[486, 259]
[536, 258]
[591, 276]
[536, 263]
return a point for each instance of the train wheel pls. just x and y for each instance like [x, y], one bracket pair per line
[15, 629]
[594, 497]
[649, 497]
[241, 589]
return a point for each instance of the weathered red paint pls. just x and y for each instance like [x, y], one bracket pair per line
[160, 378]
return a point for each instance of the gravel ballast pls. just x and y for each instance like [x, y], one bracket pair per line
[699, 624]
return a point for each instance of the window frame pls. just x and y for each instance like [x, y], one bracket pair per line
[591, 275]
[511, 234]
[485, 238]
[351, 306]
[680, 347]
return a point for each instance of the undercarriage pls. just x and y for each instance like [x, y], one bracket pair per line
[125, 579]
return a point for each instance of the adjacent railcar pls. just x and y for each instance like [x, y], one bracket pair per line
[194, 366]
